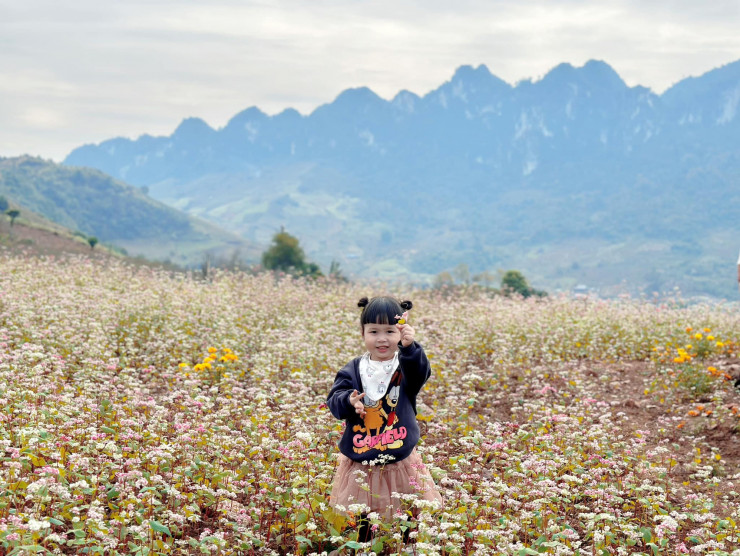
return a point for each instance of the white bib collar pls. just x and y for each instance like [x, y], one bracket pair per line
[376, 377]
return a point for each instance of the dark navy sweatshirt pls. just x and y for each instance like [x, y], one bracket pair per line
[390, 427]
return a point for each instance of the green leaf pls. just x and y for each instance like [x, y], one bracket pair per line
[647, 534]
[108, 430]
[525, 551]
[352, 544]
[157, 526]
[34, 548]
[303, 540]
[55, 521]
[377, 546]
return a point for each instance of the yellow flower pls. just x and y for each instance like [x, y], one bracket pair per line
[720, 344]
[689, 329]
[212, 350]
[182, 365]
[698, 336]
[710, 338]
[707, 330]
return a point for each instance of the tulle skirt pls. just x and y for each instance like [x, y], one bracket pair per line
[374, 486]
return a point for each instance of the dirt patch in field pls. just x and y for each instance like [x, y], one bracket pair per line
[701, 431]
[22, 238]
[698, 428]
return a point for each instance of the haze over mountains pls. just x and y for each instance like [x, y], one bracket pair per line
[575, 178]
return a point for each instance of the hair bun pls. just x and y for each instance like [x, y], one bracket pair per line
[362, 303]
[406, 305]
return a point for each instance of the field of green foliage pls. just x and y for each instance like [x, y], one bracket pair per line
[147, 412]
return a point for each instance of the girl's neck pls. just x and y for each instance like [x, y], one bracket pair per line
[383, 360]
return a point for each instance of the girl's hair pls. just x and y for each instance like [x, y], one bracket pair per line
[381, 310]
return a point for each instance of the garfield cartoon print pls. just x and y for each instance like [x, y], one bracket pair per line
[377, 430]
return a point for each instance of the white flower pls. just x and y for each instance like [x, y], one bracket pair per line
[36, 525]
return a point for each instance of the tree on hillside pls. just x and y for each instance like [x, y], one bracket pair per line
[515, 282]
[335, 272]
[462, 273]
[485, 278]
[443, 279]
[13, 214]
[93, 241]
[286, 254]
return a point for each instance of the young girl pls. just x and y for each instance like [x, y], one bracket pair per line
[376, 395]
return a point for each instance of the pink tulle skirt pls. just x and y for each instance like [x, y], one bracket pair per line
[373, 486]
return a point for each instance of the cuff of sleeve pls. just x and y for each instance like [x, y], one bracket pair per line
[408, 350]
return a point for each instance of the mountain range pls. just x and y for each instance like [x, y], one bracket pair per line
[575, 178]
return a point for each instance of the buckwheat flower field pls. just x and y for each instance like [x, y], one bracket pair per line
[151, 412]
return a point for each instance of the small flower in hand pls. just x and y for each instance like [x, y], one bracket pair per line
[401, 319]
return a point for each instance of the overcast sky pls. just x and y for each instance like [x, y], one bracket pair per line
[82, 71]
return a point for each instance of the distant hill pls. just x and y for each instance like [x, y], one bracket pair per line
[575, 178]
[87, 201]
[34, 234]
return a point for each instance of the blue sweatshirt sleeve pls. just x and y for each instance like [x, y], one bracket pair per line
[338, 399]
[415, 367]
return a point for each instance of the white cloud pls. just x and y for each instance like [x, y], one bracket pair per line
[105, 68]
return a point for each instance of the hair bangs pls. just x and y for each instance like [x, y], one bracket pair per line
[381, 310]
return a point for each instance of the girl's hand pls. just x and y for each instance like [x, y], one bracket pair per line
[407, 334]
[355, 398]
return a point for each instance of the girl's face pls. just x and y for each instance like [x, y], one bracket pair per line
[381, 340]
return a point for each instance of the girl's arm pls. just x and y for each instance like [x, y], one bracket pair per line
[415, 367]
[338, 399]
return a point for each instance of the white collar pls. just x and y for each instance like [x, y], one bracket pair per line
[376, 377]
